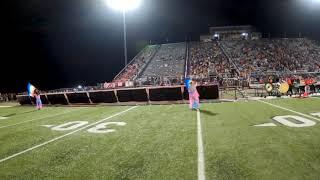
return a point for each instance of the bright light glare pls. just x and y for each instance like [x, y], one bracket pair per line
[123, 5]
[314, 2]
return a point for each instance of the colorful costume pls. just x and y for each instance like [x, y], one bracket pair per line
[38, 101]
[33, 92]
[193, 96]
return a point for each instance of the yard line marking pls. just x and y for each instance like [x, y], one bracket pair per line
[5, 106]
[296, 112]
[23, 122]
[266, 125]
[201, 167]
[68, 134]
[48, 126]
[1, 117]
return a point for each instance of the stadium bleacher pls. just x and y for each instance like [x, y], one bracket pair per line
[206, 58]
[225, 58]
[132, 70]
[169, 61]
[278, 55]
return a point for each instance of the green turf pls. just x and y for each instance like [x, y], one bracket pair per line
[8, 104]
[237, 150]
[153, 145]
[160, 142]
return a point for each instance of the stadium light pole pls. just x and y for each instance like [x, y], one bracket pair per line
[124, 6]
[125, 38]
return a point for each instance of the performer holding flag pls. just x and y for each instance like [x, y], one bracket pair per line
[193, 94]
[33, 92]
[38, 99]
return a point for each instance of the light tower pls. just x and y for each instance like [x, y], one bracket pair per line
[124, 6]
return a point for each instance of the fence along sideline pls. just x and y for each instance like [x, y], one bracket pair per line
[125, 95]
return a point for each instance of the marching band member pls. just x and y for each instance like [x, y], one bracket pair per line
[38, 99]
[193, 95]
[34, 92]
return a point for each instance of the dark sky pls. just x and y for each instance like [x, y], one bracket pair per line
[62, 43]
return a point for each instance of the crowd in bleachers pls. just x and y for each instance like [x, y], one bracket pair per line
[133, 69]
[169, 61]
[255, 57]
[243, 59]
[206, 59]
[7, 97]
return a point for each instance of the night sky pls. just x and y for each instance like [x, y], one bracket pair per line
[63, 43]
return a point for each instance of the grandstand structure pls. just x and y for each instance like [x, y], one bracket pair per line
[169, 61]
[227, 52]
[138, 64]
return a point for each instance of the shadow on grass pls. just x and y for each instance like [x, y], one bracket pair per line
[14, 114]
[209, 113]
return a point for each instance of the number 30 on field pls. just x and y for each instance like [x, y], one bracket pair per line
[98, 129]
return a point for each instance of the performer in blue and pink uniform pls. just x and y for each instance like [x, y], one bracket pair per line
[194, 102]
[38, 99]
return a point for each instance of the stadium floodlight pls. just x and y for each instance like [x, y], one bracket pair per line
[124, 6]
[79, 87]
[244, 34]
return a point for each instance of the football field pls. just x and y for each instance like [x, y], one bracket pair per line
[262, 139]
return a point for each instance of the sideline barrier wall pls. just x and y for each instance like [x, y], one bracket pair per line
[57, 99]
[132, 95]
[165, 94]
[103, 97]
[185, 93]
[148, 94]
[24, 100]
[76, 98]
[44, 99]
[208, 92]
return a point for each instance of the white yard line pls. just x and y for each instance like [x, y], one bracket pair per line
[2, 118]
[36, 119]
[201, 163]
[63, 136]
[5, 106]
[283, 108]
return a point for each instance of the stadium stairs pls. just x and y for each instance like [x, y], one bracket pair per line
[147, 64]
[228, 56]
[138, 55]
[186, 62]
[162, 46]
